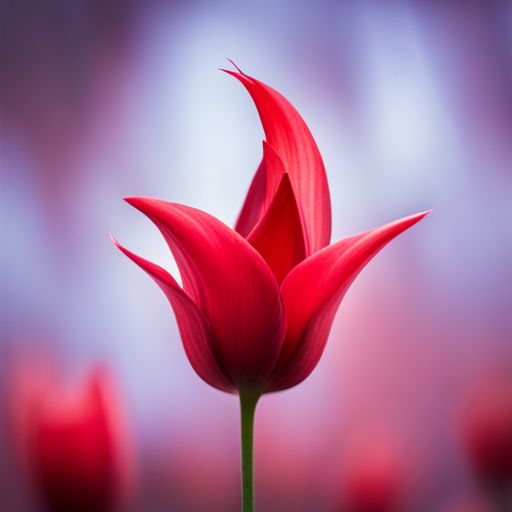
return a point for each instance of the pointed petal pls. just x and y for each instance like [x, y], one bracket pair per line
[262, 190]
[313, 291]
[278, 236]
[230, 283]
[289, 135]
[194, 328]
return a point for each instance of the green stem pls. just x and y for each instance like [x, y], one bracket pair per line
[248, 401]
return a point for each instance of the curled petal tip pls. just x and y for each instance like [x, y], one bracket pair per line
[116, 243]
[239, 70]
[148, 205]
[120, 247]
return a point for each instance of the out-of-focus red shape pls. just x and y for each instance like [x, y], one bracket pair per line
[74, 442]
[258, 302]
[373, 483]
[73, 454]
[487, 429]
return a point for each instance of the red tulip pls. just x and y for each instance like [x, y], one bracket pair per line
[258, 302]
[75, 447]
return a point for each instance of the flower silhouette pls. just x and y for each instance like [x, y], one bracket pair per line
[258, 302]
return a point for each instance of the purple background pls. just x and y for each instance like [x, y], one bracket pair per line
[410, 103]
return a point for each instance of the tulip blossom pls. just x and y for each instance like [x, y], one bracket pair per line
[258, 301]
[75, 446]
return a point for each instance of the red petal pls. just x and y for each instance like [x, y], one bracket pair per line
[252, 209]
[278, 237]
[230, 283]
[194, 328]
[289, 135]
[313, 291]
[262, 190]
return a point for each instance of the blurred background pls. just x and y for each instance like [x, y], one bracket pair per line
[410, 103]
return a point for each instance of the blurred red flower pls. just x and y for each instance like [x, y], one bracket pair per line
[74, 443]
[258, 302]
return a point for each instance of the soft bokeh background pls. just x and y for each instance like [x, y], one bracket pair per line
[410, 103]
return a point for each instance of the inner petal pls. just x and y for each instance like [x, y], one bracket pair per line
[279, 237]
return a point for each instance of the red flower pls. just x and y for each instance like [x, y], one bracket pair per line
[258, 302]
[75, 446]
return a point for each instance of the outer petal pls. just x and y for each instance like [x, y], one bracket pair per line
[278, 237]
[287, 132]
[194, 328]
[262, 190]
[313, 291]
[230, 283]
